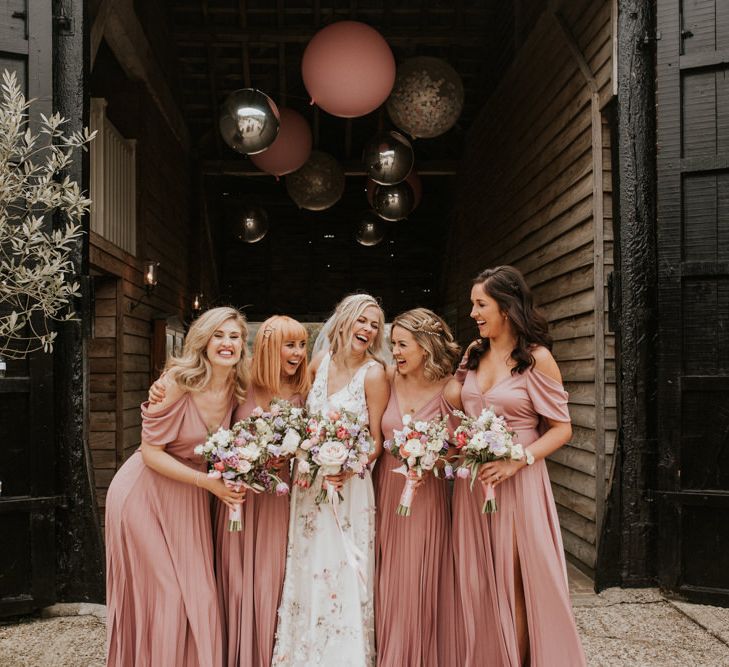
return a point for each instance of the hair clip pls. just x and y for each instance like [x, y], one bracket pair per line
[267, 332]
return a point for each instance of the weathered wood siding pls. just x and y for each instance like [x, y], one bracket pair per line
[167, 232]
[536, 192]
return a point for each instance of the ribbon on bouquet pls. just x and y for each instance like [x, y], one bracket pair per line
[408, 491]
[489, 504]
[352, 552]
[235, 515]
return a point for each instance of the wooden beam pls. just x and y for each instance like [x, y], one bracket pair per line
[395, 36]
[97, 29]
[127, 40]
[351, 168]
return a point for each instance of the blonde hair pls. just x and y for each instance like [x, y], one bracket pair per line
[434, 336]
[342, 323]
[266, 364]
[192, 369]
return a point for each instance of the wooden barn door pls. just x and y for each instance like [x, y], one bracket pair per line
[693, 296]
[27, 499]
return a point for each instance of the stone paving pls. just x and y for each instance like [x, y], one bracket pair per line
[619, 628]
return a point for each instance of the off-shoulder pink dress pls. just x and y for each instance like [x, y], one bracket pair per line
[162, 606]
[526, 518]
[415, 597]
[249, 567]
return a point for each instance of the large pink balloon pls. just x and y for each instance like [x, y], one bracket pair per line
[291, 148]
[415, 183]
[348, 69]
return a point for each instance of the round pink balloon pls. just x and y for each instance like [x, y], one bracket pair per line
[291, 148]
[415, 183]
[348, 69]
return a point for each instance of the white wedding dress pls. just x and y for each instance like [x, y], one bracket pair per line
[326, 615]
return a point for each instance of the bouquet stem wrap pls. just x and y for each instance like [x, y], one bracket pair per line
[408, 491]
[235, 514]
[489, 504]
[351, 551]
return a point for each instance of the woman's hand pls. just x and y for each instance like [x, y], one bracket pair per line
[496, 472]
[338, 480]
[277, 463]
[229, 497]
[157, 392]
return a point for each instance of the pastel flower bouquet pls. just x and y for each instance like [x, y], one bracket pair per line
[250, 452]
[480, 440]
[334, 443]
[419, 446]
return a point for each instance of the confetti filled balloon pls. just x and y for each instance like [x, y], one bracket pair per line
[319, 184]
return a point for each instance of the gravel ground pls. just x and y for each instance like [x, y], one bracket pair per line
[619, 628]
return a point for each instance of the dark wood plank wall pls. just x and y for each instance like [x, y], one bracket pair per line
[528, 191]
[167, 231]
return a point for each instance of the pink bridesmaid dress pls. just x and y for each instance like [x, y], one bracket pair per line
[415, 597]
[162, 607]
[526, 519]
[249, 567]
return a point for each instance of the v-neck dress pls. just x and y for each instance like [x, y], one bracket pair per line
[415, 596]
[526, 519]
[162, 605]
[249, 566]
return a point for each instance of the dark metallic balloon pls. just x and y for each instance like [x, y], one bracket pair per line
[393, 202]
[251, 223]
[388, 158]
[319, 184]
[370, 231]
[249, 121]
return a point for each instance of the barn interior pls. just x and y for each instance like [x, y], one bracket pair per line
[522, 177]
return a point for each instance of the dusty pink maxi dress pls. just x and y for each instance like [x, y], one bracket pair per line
[249, 568]
[526, 518]
[415, 597]
[162, 606]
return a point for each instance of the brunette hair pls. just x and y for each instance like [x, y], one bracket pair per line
[506, 286]
[434, 336]
[192, 369]
[342, 323]
[266, 364]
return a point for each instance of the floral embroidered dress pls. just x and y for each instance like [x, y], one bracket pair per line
[327, 613]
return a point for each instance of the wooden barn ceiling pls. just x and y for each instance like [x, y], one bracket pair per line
[223, 45]
[309, 260]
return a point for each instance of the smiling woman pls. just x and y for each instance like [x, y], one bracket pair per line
[162, 605]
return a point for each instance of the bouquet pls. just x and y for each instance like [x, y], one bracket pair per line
[246, 455]
[480, 440]
[335, 442]
[419, 445]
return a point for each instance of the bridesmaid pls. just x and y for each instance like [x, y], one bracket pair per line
[510, 565]
[415, 599]
[162, 607]
[250, 564]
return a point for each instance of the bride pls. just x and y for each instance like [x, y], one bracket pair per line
[326, 615]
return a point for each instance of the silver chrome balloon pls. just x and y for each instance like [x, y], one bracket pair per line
[427, 98]
[388, 158]
[251, 224]
[370, 231]
[319, 184]
[393, 202]
[249, 121]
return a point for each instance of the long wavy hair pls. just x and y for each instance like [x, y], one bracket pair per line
[506, 286]
[433, 335]
[193, 370]
[343, 321]
[266, 363]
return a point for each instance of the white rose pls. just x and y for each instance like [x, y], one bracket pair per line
[421, 426]
[434, 445]
[428, 461]
[290, 442]
[244, 466]
[331, 454]
[199, 450]
[249, 452]
[296, 412]
[303, 466]
[414, 447]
